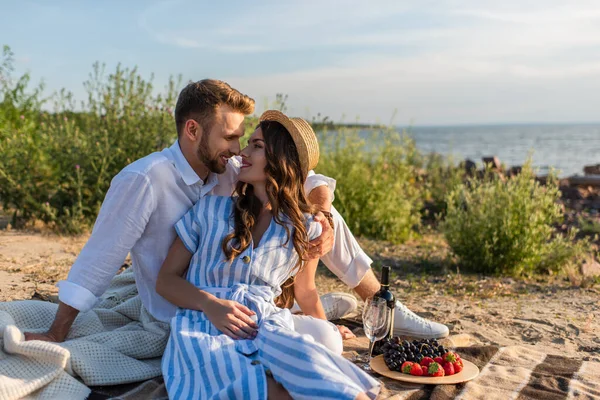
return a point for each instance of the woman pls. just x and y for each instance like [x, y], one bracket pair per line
[229, 339]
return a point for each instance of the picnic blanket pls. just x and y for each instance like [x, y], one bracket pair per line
[511, 372]
[119, 342]
[116, 343]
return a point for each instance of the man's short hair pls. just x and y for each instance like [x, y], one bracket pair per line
[200, 100]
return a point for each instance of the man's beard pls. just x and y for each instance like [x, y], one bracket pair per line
[213, 163]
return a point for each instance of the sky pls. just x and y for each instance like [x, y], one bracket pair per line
[443, 62]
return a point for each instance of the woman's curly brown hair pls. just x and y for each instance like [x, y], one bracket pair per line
[285, 190]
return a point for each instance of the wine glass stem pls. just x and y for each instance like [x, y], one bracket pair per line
[371, 349]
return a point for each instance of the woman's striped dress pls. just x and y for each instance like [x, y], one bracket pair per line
[202, 363]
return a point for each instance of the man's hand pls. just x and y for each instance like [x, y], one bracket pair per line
[65, 315]
[345, 332]
[46, 337]
[231, 318]
[324, 243]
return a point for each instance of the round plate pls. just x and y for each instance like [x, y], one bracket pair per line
[470, 371]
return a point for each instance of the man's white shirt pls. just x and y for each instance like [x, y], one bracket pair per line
[138, 215]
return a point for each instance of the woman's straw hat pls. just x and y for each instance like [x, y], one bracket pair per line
[303, 135]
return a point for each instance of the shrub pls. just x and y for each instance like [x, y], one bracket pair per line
[440, 176]
[56, 167]
[377, 191]
[507, 227]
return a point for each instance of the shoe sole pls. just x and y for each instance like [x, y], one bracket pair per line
[400, 332]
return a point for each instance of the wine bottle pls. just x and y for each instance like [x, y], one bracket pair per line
[386, 294]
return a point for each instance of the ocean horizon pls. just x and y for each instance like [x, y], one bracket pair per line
[563, 147]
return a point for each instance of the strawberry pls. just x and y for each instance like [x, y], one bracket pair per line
[449, 357]
[448, 368]
[416, 370]
[426, 361]
[406, 367]
[435, 369]
[439, 360]
[458, 366]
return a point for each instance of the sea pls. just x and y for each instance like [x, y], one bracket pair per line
[565, 148]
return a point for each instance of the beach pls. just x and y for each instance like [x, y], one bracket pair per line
[550, 314]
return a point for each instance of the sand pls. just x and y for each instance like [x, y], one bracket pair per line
[555, 316]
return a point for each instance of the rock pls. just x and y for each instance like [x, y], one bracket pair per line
[571, 193]
[592, 169]
[590, 268]
[588, 180]
[494, 161]
[470, 166]
[514, 171]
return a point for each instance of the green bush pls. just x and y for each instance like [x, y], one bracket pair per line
[377, 191]
[439, 176]
[508, 227]
[56, 167]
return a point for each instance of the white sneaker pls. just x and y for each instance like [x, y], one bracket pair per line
[336, 305]
[407, 323]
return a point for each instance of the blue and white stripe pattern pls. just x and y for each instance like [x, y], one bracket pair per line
[200, 362]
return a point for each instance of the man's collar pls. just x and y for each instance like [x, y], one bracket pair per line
[190, 177]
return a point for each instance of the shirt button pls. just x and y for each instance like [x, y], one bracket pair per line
[246, 259]
[255, 362]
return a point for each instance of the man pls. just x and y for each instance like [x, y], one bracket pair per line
[148, 196]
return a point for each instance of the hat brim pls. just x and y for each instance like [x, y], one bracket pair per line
[302, 134]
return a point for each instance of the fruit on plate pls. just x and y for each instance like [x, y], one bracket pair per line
[424, 357]
[448, 368]
[435, 370]
[449, 357]
[407, 367]
[426, 361]
[416, 370]
[458, 366]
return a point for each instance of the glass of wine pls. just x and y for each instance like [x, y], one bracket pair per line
[375, 317]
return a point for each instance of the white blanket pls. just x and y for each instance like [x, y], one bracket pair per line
[117, 342]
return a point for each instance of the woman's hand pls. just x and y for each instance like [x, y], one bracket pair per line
[345, 332]
[231, 318]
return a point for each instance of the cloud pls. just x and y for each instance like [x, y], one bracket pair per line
[442, 61]
[25, 60]
[260, 27]
[276, 26]
[434, 90]
[179, 40]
